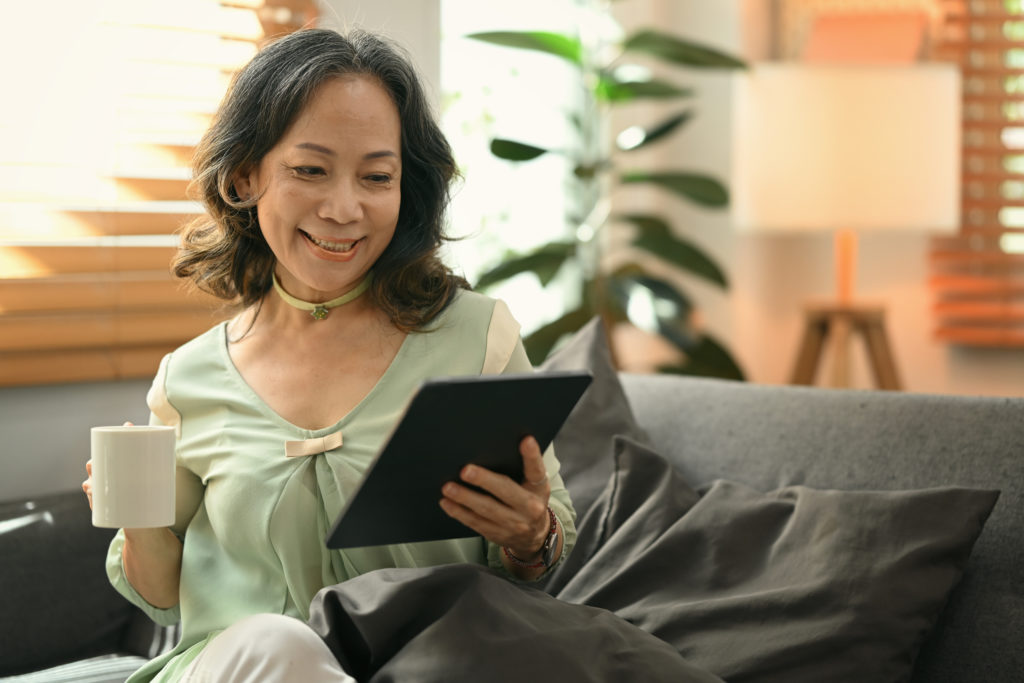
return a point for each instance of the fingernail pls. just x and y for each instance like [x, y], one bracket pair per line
[449, 489]
[469, 473]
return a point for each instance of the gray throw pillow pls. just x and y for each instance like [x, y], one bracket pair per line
[584, 445]
[792, 585]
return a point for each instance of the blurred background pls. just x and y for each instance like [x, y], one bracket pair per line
[605, 170]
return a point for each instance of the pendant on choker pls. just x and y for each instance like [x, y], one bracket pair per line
[322, 310]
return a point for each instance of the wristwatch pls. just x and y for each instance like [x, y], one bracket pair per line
[548, 550]
[550, 547]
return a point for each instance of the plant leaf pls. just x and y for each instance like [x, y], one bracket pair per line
[543, 262]
[540, 342]
[701, 189]
[659, 131]
[556, 44]
[655, 236]
[515, 151]
[679, 51]
[655, 306]
[708, 359]
[611, 89]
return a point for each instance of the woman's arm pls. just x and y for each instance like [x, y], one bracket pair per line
[152, 564]
[151, 558]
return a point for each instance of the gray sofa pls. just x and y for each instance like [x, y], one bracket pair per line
[762, 436]
[769, 437]
[59, 616]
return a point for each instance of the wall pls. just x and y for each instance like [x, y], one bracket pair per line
[44, 431]
[413, 24]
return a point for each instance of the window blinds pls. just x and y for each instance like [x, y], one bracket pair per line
[94, 166]
[977, 276]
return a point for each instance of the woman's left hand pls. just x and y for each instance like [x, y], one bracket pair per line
[516, 517]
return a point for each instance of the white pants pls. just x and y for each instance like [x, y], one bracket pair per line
[264, 648]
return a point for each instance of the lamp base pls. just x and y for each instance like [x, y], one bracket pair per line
[837, 323]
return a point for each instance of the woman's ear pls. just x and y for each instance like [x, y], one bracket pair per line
[244, 181]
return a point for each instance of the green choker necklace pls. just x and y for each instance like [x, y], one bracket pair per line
[320, 311]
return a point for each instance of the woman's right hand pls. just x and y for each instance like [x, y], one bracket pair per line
[87, 484]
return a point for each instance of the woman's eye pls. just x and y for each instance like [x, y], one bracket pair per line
[308, 171]
[380, 178]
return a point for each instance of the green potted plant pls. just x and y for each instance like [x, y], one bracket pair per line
[630, 292]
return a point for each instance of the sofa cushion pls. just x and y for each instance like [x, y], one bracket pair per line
[57, 604]
[101, 669]
[774, 436]
[584, 445]
[797, 584]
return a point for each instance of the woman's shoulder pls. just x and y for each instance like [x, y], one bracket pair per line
[471, 311]
[199, 355]
[469, 304]
[203, 344]
[476, 332]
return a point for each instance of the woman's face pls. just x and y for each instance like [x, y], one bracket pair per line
[329, 190]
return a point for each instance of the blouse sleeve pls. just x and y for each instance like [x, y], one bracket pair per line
[188, 490]
[506, 355]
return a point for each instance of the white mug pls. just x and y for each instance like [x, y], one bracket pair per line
[133, 476]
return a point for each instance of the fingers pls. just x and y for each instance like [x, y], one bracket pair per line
[483, 505]
[87, 484]
[514, 514]
[535, 474]
[535, 477]
[475, 521]
[517, 529]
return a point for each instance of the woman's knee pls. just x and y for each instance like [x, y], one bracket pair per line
[266, 647]
[265, 632]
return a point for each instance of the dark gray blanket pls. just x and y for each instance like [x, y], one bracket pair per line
[462, 623]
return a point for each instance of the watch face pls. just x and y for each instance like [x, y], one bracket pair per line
[549, 549]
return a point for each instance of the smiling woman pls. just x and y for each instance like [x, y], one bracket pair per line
[324, 180]
[93, 175]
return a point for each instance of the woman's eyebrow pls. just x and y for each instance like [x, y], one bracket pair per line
[326, 151]
[315, 148]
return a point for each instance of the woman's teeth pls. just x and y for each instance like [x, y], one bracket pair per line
[337, 247]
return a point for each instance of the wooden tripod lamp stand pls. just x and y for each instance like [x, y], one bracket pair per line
[846, 148]
[838, 323]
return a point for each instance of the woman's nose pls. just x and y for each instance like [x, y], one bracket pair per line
[341, 204]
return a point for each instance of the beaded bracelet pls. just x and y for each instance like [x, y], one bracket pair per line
[540, 563]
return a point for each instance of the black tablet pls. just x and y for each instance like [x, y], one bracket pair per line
[448, 424]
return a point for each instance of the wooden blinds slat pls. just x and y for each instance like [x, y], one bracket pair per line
[978, 276]
[94, 169]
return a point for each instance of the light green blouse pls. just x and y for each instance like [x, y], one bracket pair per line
[253, 520]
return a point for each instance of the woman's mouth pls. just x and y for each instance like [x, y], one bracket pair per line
[336, 247]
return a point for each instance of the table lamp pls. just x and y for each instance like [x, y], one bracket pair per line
[846, 148]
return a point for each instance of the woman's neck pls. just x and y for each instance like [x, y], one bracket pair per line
[273, 315]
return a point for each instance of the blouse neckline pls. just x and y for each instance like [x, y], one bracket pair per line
[264, 407]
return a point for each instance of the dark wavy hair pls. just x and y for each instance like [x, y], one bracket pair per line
[224, 252]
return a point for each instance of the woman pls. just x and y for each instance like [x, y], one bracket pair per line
[325, 182]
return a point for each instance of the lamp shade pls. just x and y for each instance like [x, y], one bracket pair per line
[822, 147]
